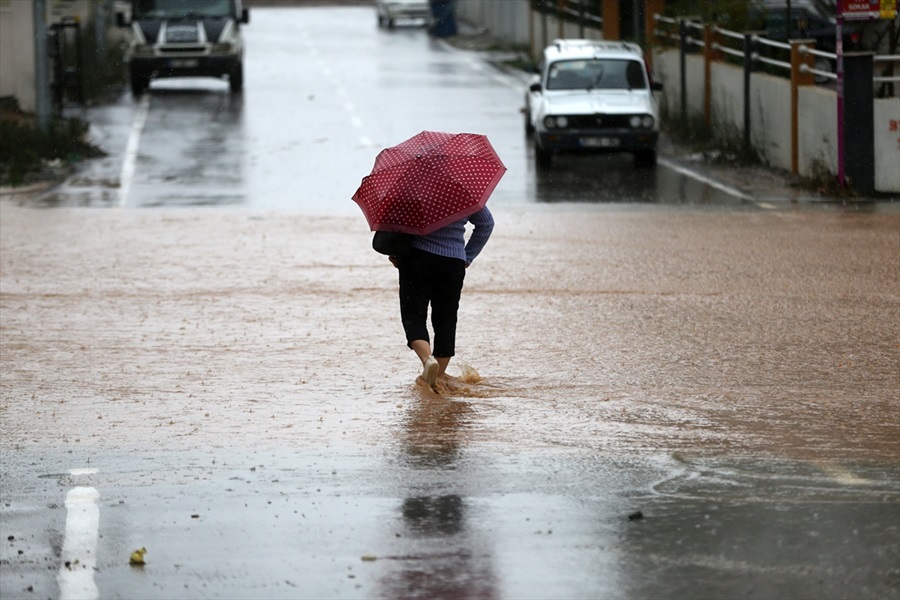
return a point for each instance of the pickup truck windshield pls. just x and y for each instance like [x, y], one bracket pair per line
[174, 9]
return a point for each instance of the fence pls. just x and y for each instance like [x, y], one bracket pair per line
[792, 122]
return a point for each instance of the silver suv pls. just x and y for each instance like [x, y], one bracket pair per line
[592, 97]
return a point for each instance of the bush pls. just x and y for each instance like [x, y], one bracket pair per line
[26, 152]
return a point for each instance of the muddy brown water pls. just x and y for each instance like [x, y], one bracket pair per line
[651, 329]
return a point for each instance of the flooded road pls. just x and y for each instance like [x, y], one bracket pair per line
[232, 389]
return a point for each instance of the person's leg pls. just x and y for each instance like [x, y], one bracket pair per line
[415, 292]
[422, 349]
[444, 308]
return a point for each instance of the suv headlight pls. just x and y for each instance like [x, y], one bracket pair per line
[647, 121]
[142, 50]
[223, 48]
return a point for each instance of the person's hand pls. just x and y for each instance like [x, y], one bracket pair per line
[393, 260]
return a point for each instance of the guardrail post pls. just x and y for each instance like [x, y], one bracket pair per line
[859, 115]
[682, 51]
[798, 79]
[749, 51]
[710, 55]
[610, 13]
[651, 10]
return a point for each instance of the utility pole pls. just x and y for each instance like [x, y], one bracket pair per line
[41, 65]
[787, 21]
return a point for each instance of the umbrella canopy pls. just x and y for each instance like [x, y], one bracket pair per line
[429, 181]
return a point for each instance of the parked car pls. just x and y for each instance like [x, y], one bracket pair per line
[592, 97]
[185, 38]
[391, 11]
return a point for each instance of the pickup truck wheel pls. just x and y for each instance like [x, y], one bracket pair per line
[236, 79]
[645, 158]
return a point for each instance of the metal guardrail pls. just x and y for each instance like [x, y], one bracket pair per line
[581, 12]
[673, 33]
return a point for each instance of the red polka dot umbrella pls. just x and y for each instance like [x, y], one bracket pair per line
[429, 181]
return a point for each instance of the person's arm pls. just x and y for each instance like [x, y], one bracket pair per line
[484, 225]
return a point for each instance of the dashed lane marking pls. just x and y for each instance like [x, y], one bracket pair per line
[79, 551]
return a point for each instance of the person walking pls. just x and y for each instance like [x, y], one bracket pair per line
[431, 273]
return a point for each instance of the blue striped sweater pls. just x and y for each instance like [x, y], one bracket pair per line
[450, 240]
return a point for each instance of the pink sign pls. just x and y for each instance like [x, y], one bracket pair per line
[861, 9]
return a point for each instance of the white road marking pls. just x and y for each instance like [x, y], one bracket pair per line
[79, 551]
[84, 471]
[703, 179]
[131, 150]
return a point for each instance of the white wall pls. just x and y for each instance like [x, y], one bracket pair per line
[887, 144]
[507, 19]
[770, 117]
[728, 97]
[17, 52]
[817, 112]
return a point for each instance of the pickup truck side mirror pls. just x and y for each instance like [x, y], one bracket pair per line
[245, 15]
[535, 87]
[121, 21]
[656, 86]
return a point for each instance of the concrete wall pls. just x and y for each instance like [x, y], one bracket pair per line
[887, 144]
[770, 117]
[513, 21]
[17, 68]
[817, 151]
[508, 20]
[17, 52]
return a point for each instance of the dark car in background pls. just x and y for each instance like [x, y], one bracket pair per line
[185, 38]
[807, 22]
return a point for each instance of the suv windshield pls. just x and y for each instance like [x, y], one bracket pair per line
[169, 9]
[603, 74]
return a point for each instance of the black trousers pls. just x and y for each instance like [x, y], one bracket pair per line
[427, 278]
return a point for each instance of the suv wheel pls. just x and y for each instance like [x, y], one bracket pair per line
[139, 84]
